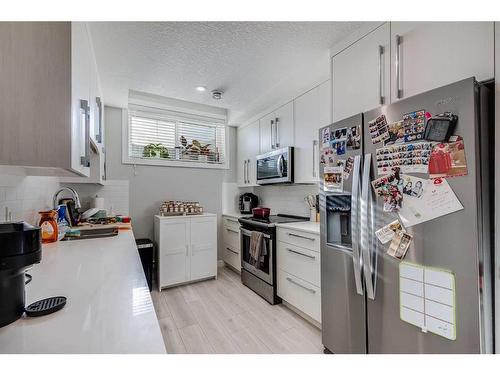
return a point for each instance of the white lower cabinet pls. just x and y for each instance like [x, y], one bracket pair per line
[231, 242]
[299, 267]
[187, 248]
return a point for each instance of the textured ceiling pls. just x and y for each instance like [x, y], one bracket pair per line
[254, 63]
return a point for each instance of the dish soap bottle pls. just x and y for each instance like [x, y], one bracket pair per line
[62, 223]
[48, 226]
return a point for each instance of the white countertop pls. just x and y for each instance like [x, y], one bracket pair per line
[303, 226]
[236, 215]
[109, 307]
[184, 216]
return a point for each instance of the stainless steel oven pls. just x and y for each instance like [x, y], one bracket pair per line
[265, 271]
[275, 167]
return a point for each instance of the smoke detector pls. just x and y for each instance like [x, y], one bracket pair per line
[217, 94]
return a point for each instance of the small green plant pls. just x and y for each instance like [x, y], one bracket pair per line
[154, 150]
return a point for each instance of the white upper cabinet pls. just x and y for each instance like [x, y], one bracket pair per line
[434, 54]
[45, 77]
[267, 133]
[311, 113]
[284, 124]
[276, 129]
[360, 74]
[81, 59]
[325, 103]
[248, 140]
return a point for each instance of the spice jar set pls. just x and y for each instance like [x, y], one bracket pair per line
[176, 208]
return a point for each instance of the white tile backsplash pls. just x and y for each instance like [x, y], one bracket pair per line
[114, 192]
[24, 196]
[286, 199]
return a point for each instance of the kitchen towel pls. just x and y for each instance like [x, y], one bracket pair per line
[258, 249]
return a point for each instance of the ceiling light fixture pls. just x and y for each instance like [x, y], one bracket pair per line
[217, 94]
[201, 88]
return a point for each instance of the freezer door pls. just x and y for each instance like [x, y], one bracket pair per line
[449, 242]
[342, 291]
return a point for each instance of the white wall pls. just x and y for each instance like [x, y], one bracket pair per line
[24, 196]
[149, 186]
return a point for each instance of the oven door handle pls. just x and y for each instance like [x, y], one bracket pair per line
[249, 233]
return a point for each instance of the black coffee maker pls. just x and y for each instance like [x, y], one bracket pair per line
[247, 202]
[20, 247]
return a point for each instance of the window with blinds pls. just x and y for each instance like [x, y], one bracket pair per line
[159, 135]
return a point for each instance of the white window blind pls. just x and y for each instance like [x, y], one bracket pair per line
[156, 134]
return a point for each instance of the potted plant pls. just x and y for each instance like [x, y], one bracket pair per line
[155, 150]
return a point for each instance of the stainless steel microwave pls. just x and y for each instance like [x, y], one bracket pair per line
[275, 167]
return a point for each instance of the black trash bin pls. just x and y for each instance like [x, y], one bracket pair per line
[146, 250]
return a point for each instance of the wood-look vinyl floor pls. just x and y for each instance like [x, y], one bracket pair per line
[223, 316]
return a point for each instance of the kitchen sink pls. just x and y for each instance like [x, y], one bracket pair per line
[94, 233]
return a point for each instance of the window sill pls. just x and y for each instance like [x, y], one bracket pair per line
[174, 163]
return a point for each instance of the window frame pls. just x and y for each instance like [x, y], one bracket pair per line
[127, 159]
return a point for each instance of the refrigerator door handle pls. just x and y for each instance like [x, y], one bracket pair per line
[355, 227]
[367, 220]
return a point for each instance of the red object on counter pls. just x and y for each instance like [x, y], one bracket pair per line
[261, 212]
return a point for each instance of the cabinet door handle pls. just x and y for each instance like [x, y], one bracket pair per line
[248, 171]
[315, 143]
[399, 88]
[99, 110]
[232, 230]
[244, 171]
[299, 284]
[299, 236]
[85, 111]
[231, 250]
[277, 132]
[272, 135]
[299, 253]
[381, 51]
[187, 250]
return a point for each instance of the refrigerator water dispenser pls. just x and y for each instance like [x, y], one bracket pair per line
[338, 220]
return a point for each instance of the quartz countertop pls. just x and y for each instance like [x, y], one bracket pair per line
[109, 307]
[184, 216]
[236, 215]
[303, 226]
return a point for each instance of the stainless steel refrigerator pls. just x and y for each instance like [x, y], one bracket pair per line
[360, 282]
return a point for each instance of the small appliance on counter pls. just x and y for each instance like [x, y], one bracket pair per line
[21, 247]
[248, 201]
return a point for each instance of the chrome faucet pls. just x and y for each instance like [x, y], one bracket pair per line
[72, 191]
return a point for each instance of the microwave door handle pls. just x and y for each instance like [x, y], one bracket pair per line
[281, 165]
[355, 227]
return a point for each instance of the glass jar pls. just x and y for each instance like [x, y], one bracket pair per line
[48, 226]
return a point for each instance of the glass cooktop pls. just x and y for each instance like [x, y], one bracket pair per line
[278, 219]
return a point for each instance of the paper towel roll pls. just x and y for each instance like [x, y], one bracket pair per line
[98, 202]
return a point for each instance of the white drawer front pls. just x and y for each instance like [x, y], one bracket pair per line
[231, 222]
[232, 257]
[301, 294]
[299, 262]
[303, 239]
[231, 237]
